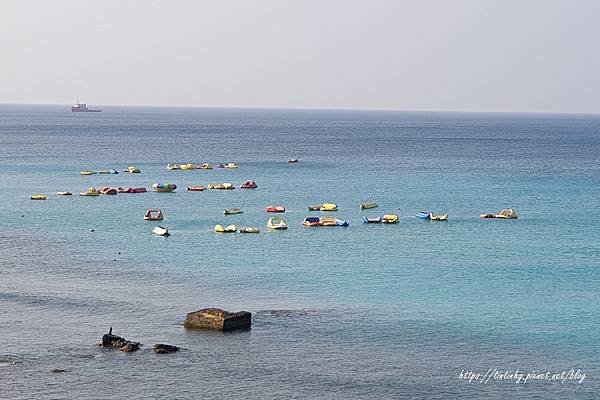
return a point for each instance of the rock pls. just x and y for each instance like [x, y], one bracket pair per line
[114, 341]
[58, 371]
[218, 320]
[161, 348]
[130, 347]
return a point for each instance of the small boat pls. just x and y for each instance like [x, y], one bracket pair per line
[315, 207]
[153, 214]
[87, 172]
[435, 217]
[230, 165]
[371, 220]
[64, 193]
[332, 221]
[139, 190]
[164, 187]
[390, 219]
[221, 165]
[39, 197]
[292, 160]
[311, 221]
[108, 191]
[507, 213]
[221, 186]
[90, 192]
[275, 209]
[187, 166]
[225, 229]
[329, 207]
[368, 205]
[196, 188]
[231, 211]
[160, 231]
[276, 223]
[108, 171]
[206, 166]
[250, 184]
[249, 229]
[422, 215]
[172, 167]
[132, 170]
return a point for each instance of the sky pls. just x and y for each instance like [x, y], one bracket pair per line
[479, 55]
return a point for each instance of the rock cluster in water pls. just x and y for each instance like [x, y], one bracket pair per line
[114, 341]
[218, 320]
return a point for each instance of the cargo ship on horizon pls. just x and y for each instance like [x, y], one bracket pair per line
[82, 107]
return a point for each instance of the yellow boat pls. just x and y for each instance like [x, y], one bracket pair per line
[507, 213]
[206, 166]
[390, 219]
[39, 197]
[329, 207]
[187, 166]
[227, 229]
[90, 192]
[132, 170]
[87, 172]
[231, 165]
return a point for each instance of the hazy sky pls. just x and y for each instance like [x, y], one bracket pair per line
[409, 55]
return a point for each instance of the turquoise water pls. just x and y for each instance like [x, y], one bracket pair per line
[368, 311]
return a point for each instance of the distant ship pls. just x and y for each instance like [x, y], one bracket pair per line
[82, 107]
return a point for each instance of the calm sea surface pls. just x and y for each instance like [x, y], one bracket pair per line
[368, 311]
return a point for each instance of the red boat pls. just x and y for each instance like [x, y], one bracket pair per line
[108, 190]
[249, 185]
[131, 190]
[276, 209]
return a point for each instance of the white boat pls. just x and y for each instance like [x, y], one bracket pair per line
[276, 223]
[160, 231]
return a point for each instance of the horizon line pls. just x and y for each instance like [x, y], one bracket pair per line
[308, 108]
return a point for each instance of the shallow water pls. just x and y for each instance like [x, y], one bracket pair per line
[367, 311]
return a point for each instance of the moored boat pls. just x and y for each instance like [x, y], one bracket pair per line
[368, 205]
[436, 217]
[225, 229]
[221, 186]
[311, 221]
[206, 166]
[275, 209]
[332, 221]
[276, 223]
[108, 171]
[249, 229]
[292, 160]
[231, 211]
[390, 219]
[154, 214]
[196, 188]
[249, 184]
[64, 193]
[172, 167]
[107, 190]
[422, 215]
[230, 165]
[91, 192]
[39, 196]
[164, 187]
[87, 172]
[371, 220]
[188, 166]
[329, 207]
[160, 231]
[506, 213]
[132, 170]
[315, 207]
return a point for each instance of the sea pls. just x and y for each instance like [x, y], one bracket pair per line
[469, 308]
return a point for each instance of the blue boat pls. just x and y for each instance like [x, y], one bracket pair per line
[371, 220]
[423, 215]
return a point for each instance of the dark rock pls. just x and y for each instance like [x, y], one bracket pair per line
[114, 341]
[219, 320]
[161, 348]
[130, 347]
[58, 371]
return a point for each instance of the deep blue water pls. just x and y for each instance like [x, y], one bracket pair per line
[366, 311]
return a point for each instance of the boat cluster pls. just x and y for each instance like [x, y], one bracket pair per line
[191, 166]
[133, 170]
